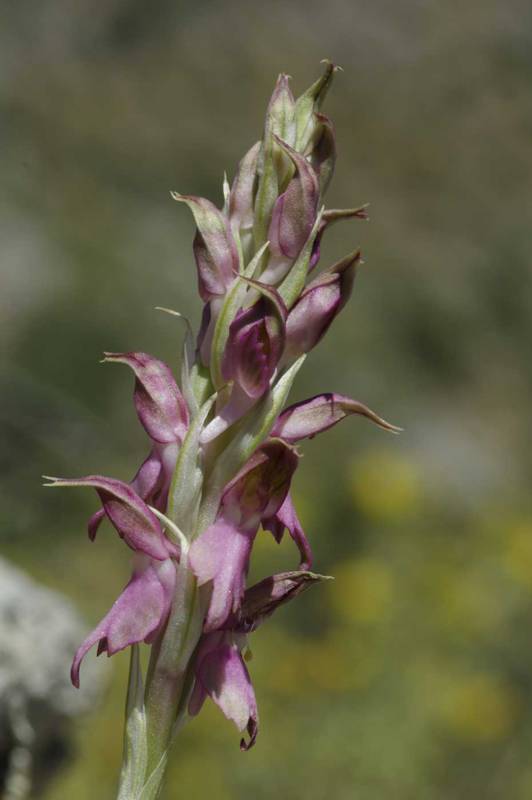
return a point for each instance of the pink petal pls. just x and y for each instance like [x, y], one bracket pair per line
[146, 483]
[318, 306]
[255, 344]
[222, 674]
[138, 612]
[221, 555]
[262, 484]
[306, 419]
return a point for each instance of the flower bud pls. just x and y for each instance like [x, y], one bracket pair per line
[273, 164]
[320, 303]
[293, 216]
[214, 247]
[310, 103]
[160, 405]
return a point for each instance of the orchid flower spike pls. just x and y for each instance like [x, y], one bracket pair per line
[222, 444]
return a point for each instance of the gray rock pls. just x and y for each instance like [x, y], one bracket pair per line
[39, 633]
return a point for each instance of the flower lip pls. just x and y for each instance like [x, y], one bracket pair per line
[221, 674]
[136, 615]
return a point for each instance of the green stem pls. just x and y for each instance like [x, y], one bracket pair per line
[152, 716]
[167, 670]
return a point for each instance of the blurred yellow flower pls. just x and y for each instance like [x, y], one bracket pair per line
[385, 485]
[480, 708]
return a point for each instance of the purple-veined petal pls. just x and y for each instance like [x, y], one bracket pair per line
[214, 247]
[221, 555]
[261, 600]
[261, 486]
[305, 419]
[256, 342]
[322, 300]
[160, 405]
[139, 612]
[130, 515]
[249, 358]
[222, 674]
[286, 518]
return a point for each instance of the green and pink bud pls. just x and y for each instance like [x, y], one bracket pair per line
[320, 303]
[214, 247]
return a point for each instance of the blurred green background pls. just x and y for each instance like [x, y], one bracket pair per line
[410, 676]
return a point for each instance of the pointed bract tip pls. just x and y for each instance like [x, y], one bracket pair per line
[169, 311]
[387, 426]
[331, 65]
[284, 77]
[54, 481]
[351, 259]
[182, 198]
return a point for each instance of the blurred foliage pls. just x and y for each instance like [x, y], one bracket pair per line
[410, 675]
